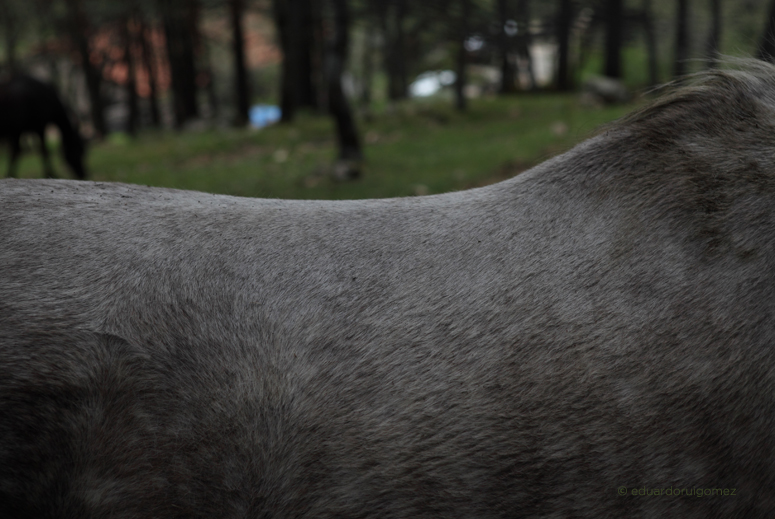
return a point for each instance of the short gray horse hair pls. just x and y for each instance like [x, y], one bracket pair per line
[562, 344]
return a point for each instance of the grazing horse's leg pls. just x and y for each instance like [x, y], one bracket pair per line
[47, 169]
[15, 150]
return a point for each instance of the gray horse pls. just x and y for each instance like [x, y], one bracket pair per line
[593, 338]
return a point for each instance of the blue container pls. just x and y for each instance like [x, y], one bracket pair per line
[264, 115]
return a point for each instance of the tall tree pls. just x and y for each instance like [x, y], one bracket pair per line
[714, 36]
[205, 78]
[311, 55]
[80, 30]
[10, 23]
[651, 42]
[336, 57]
[462, 55]
[299, 26]
[369, 52]
[127, 32]
[145, 33]
[180, 22]
[508, 30]
[613, 38]
[681, 38]
[241, 89]
[393, 18]
[288, 21]
[766, 49]
[564, 22]
[524, 40]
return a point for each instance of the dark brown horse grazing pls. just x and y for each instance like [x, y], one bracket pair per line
[28, 106]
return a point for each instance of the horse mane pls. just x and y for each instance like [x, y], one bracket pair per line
[698, 154]
[741, 85]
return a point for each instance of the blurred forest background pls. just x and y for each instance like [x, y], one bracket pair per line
[375, 97]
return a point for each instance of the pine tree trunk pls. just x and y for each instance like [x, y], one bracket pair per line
[288, 21]
[651, 42]
[80, 29]
[347, 135]
[368, 66]
[9, 22]
[127, 35]
[714, 37]
[462, 60]
[505, 40]
[145, 33]
[681, 38]
[524, 40]
[179, 19]
[564, 21]
[241, 89]
[310, 59]
[393, 28]
[613, 39]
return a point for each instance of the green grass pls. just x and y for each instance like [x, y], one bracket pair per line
[416, 148]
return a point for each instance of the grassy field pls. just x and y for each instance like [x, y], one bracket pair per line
[417, 148]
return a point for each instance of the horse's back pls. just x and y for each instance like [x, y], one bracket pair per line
[483, 354]
[586, 340]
